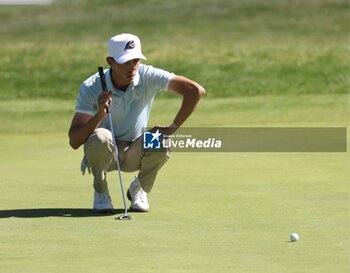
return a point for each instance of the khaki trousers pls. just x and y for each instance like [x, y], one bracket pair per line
[100, 158]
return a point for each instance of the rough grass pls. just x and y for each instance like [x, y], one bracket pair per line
[242, 48]
[56, 71]
[209, 21]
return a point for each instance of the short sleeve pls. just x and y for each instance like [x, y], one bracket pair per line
[157, 79]
[86, 101]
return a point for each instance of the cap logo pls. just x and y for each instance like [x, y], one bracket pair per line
[129, 45]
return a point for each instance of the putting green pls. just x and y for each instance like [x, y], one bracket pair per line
[210, 212]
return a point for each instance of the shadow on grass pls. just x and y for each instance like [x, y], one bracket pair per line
[55, 212]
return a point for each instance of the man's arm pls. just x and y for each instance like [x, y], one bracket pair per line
[83, 125]
[191, 93]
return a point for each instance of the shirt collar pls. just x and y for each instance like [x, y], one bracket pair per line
[137, 78]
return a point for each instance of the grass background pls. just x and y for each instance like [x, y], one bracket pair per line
[263, 63]
[232, 48]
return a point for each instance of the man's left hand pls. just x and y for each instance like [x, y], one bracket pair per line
[166, 130]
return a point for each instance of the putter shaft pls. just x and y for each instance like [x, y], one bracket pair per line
[117, 161]
[104, 88]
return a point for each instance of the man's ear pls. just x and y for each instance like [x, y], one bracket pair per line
[109, 60]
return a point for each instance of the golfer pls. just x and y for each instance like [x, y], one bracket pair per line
[132, 87]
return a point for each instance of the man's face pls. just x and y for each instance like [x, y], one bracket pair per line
[126, 72]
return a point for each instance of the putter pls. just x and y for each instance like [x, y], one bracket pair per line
[125, 216]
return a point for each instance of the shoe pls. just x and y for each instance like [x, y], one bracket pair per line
[103, 202]
[138, 197]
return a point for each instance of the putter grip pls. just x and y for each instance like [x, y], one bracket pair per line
[102, 78]
[103, 82]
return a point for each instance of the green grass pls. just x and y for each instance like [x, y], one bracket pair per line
[56, 71]
[233, 214]
[233, 48]
[35, 116]
[224, 212]
[272, 63]
[182, 21]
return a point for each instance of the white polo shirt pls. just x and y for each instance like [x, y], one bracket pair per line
[130, 110]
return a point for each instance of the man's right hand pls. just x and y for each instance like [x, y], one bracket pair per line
[104, 100]
[83, 125]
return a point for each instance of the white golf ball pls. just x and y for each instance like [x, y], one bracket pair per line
[294, 237]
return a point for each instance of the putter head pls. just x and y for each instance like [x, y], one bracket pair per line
[124, 217]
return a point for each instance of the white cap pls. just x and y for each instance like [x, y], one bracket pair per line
[125, 47]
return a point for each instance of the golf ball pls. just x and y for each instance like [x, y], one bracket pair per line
[294, 237]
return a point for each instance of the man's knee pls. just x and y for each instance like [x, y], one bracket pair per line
[99, 143]
[101, 135]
